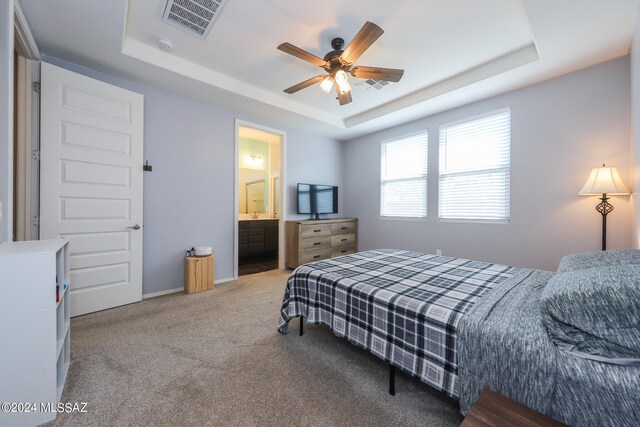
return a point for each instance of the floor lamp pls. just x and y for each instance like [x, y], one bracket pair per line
[604, 182]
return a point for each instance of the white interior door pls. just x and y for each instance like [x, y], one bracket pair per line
[91, 185]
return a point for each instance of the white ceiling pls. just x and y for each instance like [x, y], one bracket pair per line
[453, 52]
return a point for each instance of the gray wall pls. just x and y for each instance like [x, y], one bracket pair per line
[634, 56]
[188, 197]
[6, 118]
[560, 130]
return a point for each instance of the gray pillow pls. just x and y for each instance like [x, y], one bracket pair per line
[596, 309]
[611, 257]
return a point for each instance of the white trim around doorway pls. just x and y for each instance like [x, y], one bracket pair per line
[283, 194]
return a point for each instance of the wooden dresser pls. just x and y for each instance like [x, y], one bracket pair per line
[315, 240]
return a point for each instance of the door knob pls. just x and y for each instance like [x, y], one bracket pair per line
[134, 227]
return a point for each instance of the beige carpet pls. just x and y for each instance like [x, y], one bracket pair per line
[215, 358]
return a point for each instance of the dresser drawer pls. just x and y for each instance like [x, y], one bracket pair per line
[343, 227]
[312, 230]
[310, 256]
[314, 243]
[343, 239]
[308, 240]
[342, 250]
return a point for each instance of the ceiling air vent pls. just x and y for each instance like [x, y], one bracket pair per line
[196, 17]
[371, 83]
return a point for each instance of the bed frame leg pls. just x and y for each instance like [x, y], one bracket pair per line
[392, 380]
[301, 326]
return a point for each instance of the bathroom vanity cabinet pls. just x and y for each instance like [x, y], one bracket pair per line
[257, 237]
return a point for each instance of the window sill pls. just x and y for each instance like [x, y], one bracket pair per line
[475, 221]
[403, 218]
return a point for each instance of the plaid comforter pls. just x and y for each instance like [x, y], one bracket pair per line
[402, 306]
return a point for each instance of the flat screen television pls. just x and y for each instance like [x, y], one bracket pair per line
[316, 199]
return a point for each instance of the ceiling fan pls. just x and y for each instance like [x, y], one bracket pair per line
[339, 62]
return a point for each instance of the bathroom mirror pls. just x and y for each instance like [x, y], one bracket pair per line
[254, 195]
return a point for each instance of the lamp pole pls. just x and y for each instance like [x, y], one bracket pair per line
[604, 207]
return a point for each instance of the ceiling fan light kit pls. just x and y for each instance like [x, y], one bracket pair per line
[341, 77]
[342, 81]
[339, 62]
[327, 84]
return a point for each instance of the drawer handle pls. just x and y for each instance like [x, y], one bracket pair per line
[343, 240]
[343, 251]
[343, 228]
[317, 231]
[316, 256]
[317, 243]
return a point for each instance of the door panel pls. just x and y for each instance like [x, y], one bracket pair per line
[94, 138]
[91, 185]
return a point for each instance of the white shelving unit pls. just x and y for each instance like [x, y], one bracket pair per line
[36, 347]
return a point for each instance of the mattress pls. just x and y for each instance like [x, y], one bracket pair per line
[402, 306]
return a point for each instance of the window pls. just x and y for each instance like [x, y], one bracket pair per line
[403, 177]
[475, 168]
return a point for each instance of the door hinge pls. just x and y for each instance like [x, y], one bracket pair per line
[35, 221]
[35, 155]
[36, 86]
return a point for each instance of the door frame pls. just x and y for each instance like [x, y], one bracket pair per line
[26, 189]
[283, 194]
[27, 151]
[25, 42]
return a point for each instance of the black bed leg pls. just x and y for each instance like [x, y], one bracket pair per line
[392, 380]
[301, 326]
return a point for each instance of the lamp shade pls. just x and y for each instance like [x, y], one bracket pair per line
[604, 180]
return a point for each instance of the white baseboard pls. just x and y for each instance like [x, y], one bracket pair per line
[174, 290]
[157, 294]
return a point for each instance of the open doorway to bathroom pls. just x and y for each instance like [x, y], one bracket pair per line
[259, 199]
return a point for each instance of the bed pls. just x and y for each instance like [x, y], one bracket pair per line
[461, 326]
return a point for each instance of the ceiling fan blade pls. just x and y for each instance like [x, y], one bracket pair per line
[304, 84]
[367, 35]
[377, 73]
[302, 54]
[343, 98]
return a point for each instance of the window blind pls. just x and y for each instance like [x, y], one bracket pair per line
[475, 168]
[403, 183]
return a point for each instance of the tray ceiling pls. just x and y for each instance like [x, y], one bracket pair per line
[452, 52]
